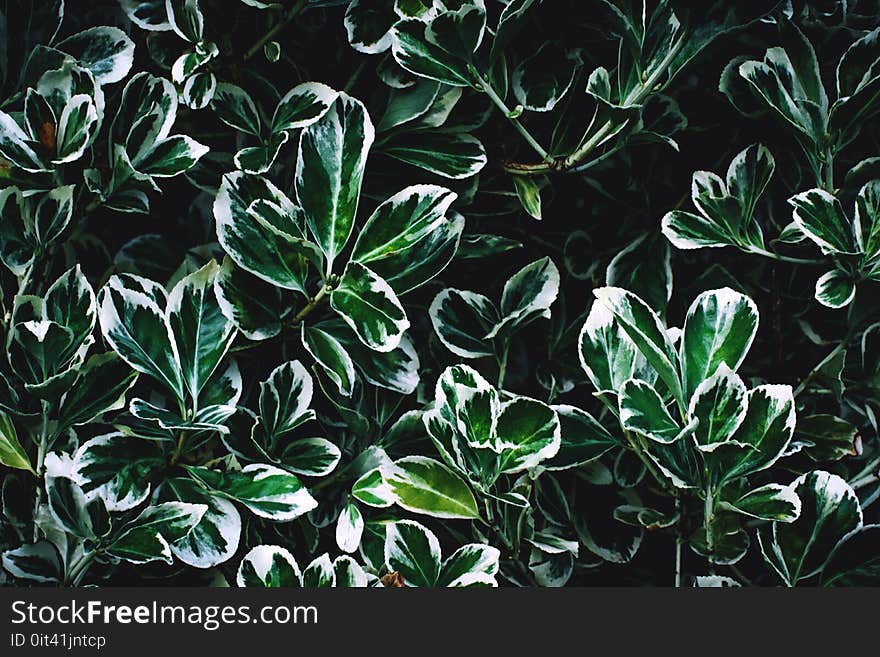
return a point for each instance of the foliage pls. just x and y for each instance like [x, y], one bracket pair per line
[406, 293]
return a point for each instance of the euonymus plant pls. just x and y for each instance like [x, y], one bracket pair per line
[440, 293]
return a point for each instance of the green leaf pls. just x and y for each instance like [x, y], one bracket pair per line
[719, 328]
[331, 355]
[606, 353]
[413, 551]
[396, 370]
[821, 218]
[459, 31]
[319, 573]
[268, 566]
[284, 400]
[12, 454]
[414, 52]
[373, 490]
[105, 51]
[769, 502]
[719, 405]
[401, 236]
[16, 146]
[233, 106]
[133, 324]
[262, 231]
[643, 411]
[329, 171]
[148, 537]
[68, 503]
[369, 306]
[528, 191]
[462, 320]
[470, 563]
[267, 491]
[835, 289]
[349, 528]
[541, 80]
[214, 540]
[255, 307]
[75, 128]
[527, 432]
[35, 562]
[830, 512]
[582, 439]
[201, 332]
[855, 561]
[423, 485]
[528, 294]
[302, 106]
[117, 468]
[368, 24]
[453, 155]
[312, 457]
[644, 328]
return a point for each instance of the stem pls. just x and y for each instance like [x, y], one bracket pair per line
[178, 451]
[634, 97]
[502, 364]
[708, 515]
[354, 76]
[678, 541]
[499, 102]
[637, 448]
[79, 568]
[867, 476]
[285, 19]
[41, 464]
[311, 305]
[785, 258]
[829, 170]
[815, 371]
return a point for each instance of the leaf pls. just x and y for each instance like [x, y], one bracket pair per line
[67, 503]
[172, 156]
[855, 561]
[373, 490]
[329, 171]
[233, 106]
[461, 320]
[529, 194]
[769, 502]
[468, 564]
[134, 326]
[75, 128]
[319, 573]
[117, 468]
[392, 241]
[835, 289]
[368, 24]
[369, 306]
[423, 485]
[451, 155]
[413, 551]
[12, 454]
[37, 562]
[528, 294]
[284, 400]
[414, 52]
[582, 439]
[267, 491]
[214, 540]
[606, 353]
[541, 80]
[255, 307]
[15, 146]
[830, 512]
[396, 370]
[268, 566]
[147, 538]
[105, 51]
[349, 528]
[719, 328]
[644, 328]
[643, 411]
[528, 432]
[201, 332]
[719, 405]
[329, 353]
[820, 217]
[312, 457]
[262, 231]
[302, 106]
